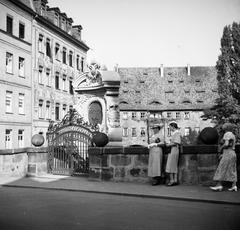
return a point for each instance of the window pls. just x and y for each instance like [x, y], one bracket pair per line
[57, 81]
[143, 115]
[8, 138]
[48, 111]
[21, 66]
[8, 102]
[125, 132]
[199, 101]
[57, 51]
[125, 115]
[134, 115]
[186, 115]
[71, 58]
[40, 109]
[20, 138]
[186, 131]
[9, 24]
[77, 62]
[57, 112]
[48, 76]
[64, 82]
[178, 115]
[21, 31]
[56, 21]
[21, 103]
[169, 115]
[143, 132]
[63, 25]
[70, 87]
[9, 63]
[134, 132]
[64, 110]
[197, 129]
[82, 64]
[40, 75]
[48, 48]
[64, 55]
[40, 43]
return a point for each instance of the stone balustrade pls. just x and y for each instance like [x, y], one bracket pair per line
[197, 164]
[23, 162]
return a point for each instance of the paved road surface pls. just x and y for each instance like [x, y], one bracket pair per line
[35, 209]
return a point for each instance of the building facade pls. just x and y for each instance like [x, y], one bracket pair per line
[162, 95]
[15, 73]
[42, 52]
[59, 55]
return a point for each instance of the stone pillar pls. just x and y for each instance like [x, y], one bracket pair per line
[37, 161]
[113, 119]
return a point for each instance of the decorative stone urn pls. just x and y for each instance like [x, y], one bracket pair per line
[100, 139]
[208, 136]
[37, 140]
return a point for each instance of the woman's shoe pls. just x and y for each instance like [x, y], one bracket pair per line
[233, 189]
[170, 184]
[217, 188]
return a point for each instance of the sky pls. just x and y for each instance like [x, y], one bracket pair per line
[148, 33]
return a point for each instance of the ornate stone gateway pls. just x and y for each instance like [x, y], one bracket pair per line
[68, 143]
[96, 94]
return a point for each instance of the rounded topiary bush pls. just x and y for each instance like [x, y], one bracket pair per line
[100, 139]
[37, 140]
[208, 136]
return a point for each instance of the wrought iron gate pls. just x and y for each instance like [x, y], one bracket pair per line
[68, 143]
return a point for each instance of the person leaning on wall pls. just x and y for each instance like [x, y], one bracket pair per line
[172, 160]
[155, 154]
[227, 169]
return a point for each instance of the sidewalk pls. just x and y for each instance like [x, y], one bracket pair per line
[82, 184]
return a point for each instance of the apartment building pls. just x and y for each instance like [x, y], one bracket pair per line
[15, 73]
[162, 95]
[59, 55]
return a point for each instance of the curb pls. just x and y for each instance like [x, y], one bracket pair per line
[130, 194]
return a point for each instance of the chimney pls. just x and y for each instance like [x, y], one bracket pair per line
[188, 70]
[161, 71]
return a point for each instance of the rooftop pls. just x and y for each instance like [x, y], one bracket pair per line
[168, 88]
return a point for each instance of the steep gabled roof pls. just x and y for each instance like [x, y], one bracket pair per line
[145, 89]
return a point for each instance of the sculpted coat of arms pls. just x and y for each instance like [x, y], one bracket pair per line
[91, 78]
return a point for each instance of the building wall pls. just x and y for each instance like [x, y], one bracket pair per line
[169, 94]
[10, 80]
[46, 90]
[193, 122]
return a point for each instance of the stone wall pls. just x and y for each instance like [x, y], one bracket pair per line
[197, 164]
[23, 162]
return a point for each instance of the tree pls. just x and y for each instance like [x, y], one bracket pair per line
[227, 105]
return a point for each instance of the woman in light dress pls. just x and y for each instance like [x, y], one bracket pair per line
[227, 170]
[155, 155]
[172, 161]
